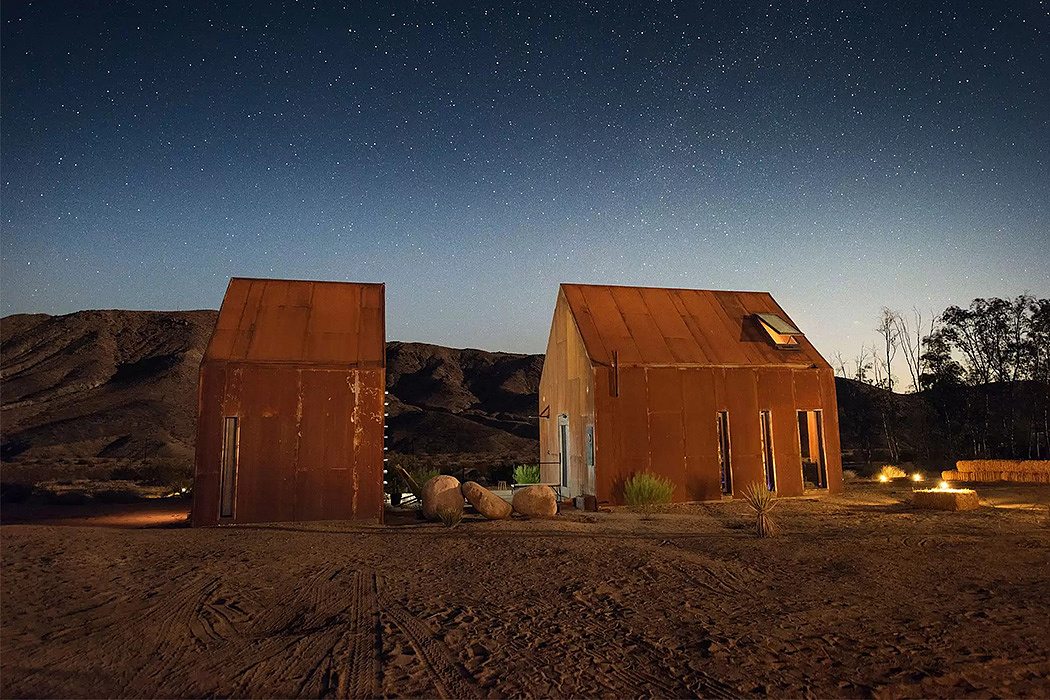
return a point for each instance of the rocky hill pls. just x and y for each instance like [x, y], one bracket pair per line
[124, 384]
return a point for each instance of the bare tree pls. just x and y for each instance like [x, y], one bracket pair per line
[862, 367]
[887, 328]
[838, 363]
[910, 340]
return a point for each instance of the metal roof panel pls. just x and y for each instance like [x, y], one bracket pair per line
[300, 321]
[661, 326]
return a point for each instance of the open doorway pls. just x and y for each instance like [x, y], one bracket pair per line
[563, 447]
[811, 442]
[768, 465]
[725, 467]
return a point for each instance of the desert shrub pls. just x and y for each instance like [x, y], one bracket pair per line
[761, 500]
[647, 489]
[849, 475]
[527, 474]
[891, 472]
[15, 493]
[450, 517]
[116, 496]
[421, 475]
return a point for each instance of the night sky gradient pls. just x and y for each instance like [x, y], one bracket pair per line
[841, 156]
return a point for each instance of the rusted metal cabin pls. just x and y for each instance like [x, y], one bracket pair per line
[713, 390]
[290, 404]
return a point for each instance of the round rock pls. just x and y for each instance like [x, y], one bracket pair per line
[536, 501]
[441, 493]
[485, 502]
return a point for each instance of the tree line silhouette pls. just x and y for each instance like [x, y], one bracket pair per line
[979, 384]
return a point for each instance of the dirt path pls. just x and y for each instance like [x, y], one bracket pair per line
[860, 596]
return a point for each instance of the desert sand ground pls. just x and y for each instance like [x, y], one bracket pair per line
[859, 595]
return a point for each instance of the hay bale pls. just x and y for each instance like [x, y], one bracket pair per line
[946, 499]
[1020, 470]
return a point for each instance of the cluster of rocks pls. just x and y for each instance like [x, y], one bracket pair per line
[444, 492]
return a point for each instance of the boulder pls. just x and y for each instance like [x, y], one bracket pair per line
[441, 493]
[536, 501]
[485, 502]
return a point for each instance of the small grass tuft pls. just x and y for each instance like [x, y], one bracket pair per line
[450, 517]
[761, 500]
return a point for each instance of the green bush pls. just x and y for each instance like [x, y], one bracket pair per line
[647, 489]
[421, 475]
[527, 474]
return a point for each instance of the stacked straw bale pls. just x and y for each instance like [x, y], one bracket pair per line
[937, 499]
[1026, 470]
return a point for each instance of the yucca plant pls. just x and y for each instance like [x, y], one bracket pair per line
[527, 474]
[450, 517]
[762, 501]
[647, 490]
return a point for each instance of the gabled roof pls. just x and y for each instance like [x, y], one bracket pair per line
[657, 326]
[300, 322]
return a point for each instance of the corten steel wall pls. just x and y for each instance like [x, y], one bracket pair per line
[301, 365]
[680, 357]
[664, 421]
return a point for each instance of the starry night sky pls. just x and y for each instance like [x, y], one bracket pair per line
[841, 156]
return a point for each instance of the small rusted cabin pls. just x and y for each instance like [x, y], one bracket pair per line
[290, 404]
[712, 390]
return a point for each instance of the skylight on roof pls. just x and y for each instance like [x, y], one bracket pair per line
[784, 335]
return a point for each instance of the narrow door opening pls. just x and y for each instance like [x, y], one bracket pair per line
[768, 465]
[811, 442]
[228, 476]
[725, 468]
[563, 444]
[590, 459]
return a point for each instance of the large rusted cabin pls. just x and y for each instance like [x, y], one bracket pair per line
[290, 404]
[713, 390]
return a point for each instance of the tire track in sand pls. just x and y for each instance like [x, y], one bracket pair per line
[451, 680]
